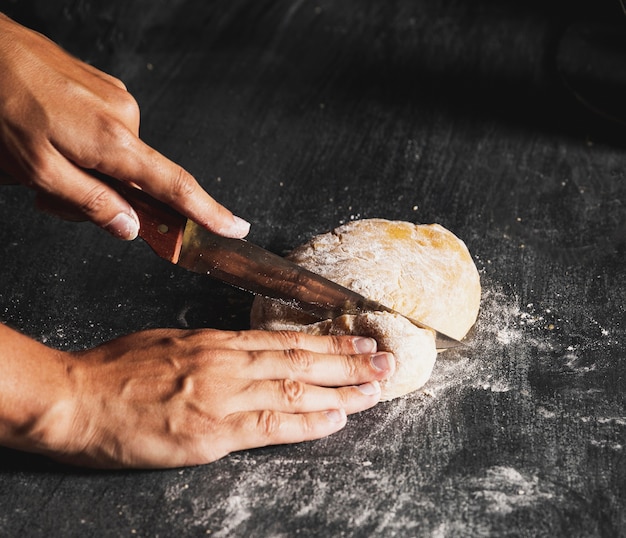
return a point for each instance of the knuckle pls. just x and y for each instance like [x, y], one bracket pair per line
[340, 344]
[41, 177]
[287, 339]
[254, 357]
[343, 398]
[115, 133]
[308, 427]
[351, 366]
[94, 201]
[117, 82]
[230, 339]
[112, 136]
[39, 171]
[127, 108]
[182, 186]
[299, 360]
[292, 391]
[268, 423]
[190, 345]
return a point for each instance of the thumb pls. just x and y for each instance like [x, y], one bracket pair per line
[79, 197]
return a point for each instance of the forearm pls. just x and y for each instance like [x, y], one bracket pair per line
[35, 407]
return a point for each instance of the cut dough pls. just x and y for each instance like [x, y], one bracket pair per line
[423, 271]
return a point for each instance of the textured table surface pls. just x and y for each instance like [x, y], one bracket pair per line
[301, 115]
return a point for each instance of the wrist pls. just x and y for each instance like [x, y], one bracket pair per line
[36, 394]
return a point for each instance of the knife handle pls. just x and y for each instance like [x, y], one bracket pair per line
[160, 225]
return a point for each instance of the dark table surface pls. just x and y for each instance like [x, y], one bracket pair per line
[301, 115]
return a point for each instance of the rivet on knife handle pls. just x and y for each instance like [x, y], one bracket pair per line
[159, 225]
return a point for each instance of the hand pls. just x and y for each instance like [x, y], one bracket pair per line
[61, 118]
[168, 398]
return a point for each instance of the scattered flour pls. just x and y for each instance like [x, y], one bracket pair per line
[503, 490]
[238, 511]
[507, 338]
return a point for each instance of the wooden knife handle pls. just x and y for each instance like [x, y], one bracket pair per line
[161, 226]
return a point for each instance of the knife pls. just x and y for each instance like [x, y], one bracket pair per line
[247, 266]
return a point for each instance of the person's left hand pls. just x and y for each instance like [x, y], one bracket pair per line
[168, 398]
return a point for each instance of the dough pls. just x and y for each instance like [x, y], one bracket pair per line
[423, 271]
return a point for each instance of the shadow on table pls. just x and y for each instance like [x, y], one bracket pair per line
[523, 63]
[14, 461]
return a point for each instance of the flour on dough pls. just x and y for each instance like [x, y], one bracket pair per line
[423, 271]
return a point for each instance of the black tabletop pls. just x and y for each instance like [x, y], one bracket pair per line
[301, 115]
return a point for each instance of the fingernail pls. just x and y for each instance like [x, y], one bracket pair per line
[383, 361]
[336, 415]
[123, 226]
[239, 228]
[364, 345]
[369, 388]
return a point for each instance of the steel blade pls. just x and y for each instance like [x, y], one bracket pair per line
[252, 268]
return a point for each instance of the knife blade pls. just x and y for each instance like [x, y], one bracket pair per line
[249, 267]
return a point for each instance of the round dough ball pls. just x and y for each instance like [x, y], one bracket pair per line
[423, 271]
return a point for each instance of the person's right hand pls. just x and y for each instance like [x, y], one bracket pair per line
[169, 398]
[61, 119]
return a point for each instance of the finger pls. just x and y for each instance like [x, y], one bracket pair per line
[71, 190]
[283, 340]
[319, 368]
[172, 184]
[119, 153]
[289, 396]
[263, 428]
